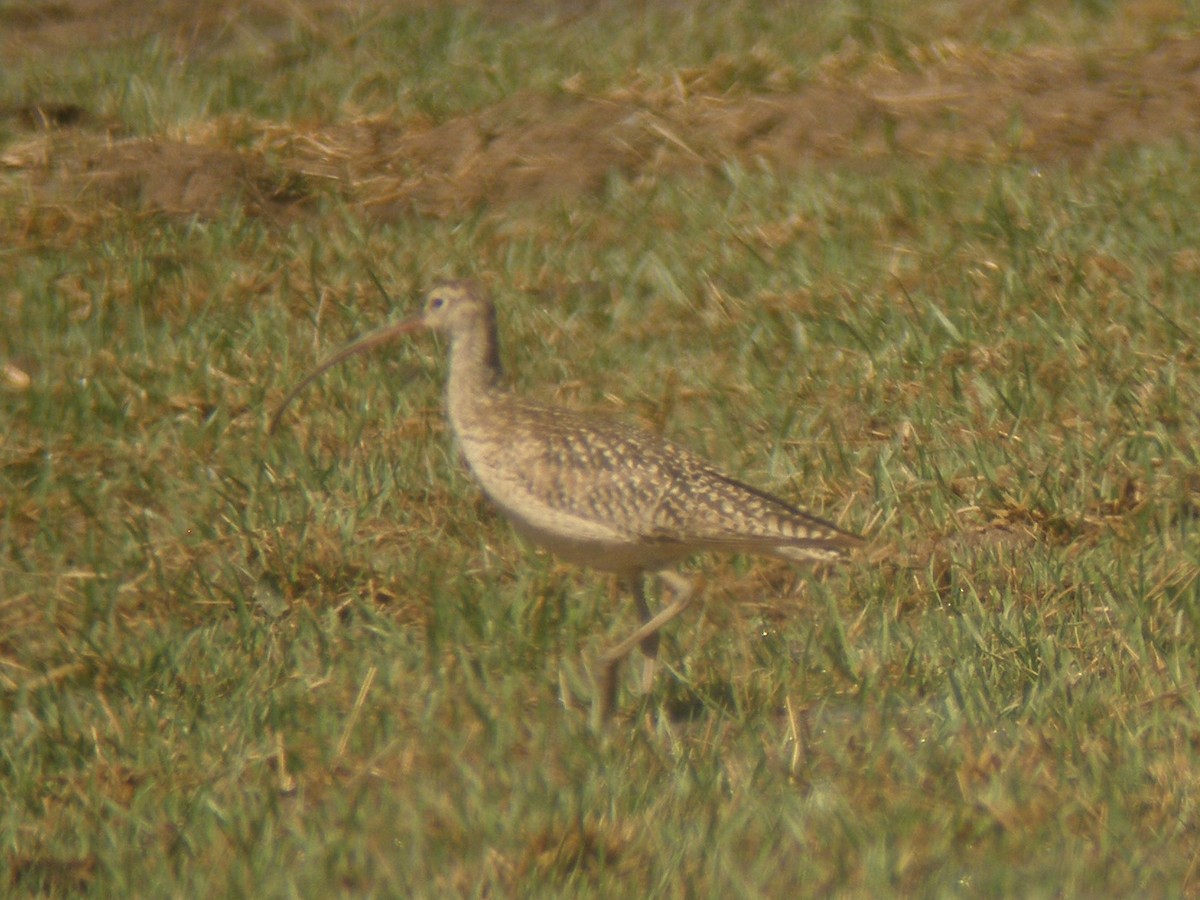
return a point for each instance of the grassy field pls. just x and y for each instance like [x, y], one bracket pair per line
[931, 270]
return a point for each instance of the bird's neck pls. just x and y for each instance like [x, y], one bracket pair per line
[475, 372]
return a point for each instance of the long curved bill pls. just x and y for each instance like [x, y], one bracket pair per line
[366, 342]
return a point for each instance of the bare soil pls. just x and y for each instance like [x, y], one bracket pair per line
[1048, 106]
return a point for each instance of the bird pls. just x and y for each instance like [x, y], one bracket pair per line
[593, 491]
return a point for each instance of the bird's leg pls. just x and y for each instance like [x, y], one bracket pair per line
[646, 636]
[648, 644]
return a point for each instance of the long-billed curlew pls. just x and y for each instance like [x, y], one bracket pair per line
[595, 492]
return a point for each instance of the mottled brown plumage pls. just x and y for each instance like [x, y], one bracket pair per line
[595, 492]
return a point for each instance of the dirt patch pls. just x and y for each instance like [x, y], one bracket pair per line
[1046, 106]
[159, 176]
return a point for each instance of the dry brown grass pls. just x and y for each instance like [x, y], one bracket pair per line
[1050, 105]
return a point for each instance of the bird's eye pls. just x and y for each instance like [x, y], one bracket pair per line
[436, 303]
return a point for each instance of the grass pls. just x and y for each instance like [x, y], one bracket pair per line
[235, 664]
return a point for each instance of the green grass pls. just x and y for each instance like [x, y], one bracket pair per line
[318, 663]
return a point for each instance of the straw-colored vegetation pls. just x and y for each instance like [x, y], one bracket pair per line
[929, 269]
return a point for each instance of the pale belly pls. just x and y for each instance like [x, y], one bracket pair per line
[587, 543]
[594, 541]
